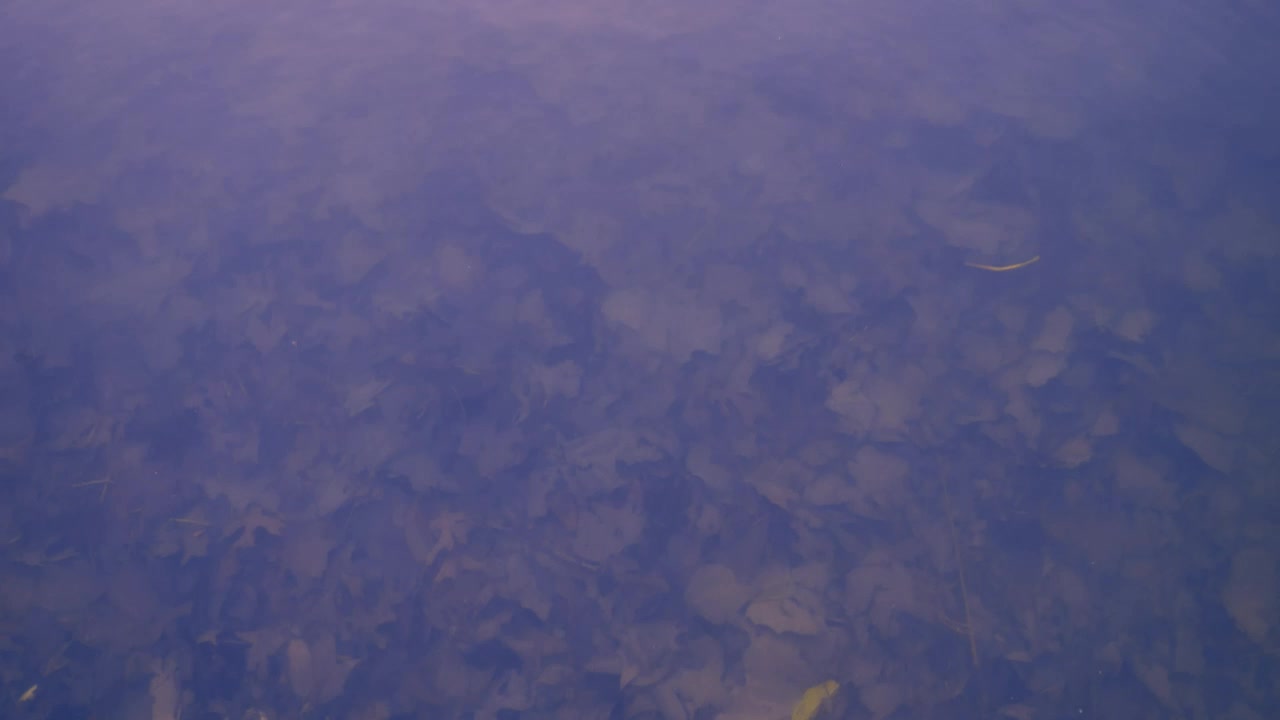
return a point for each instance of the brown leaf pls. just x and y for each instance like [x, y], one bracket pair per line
[715, 593]
[1252, 595]
[252, 521]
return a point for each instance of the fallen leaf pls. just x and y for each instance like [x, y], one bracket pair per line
[1252, 594]
[811, 702]
[797, 610]
[252, 521]
[715, 593]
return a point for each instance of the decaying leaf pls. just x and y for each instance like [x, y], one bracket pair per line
[1074, 452]
[606, 531]
[882, 587]
[362, 396]
[1055, 332]
[166, 696]
[317, 672]
[678, 326]
[1208, 445]
[715, 593]
[789, 609]
[305, 549]
[427, 539]
[1252, 593]
[256, 520]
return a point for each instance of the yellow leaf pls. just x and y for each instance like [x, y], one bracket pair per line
[812, 700]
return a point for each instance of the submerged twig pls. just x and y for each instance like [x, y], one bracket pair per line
[964, 591]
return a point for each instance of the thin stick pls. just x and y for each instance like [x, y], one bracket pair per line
[964, 593]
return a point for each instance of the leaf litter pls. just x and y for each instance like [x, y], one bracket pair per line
[580, 430]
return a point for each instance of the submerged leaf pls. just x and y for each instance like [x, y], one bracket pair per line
[812, 700]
